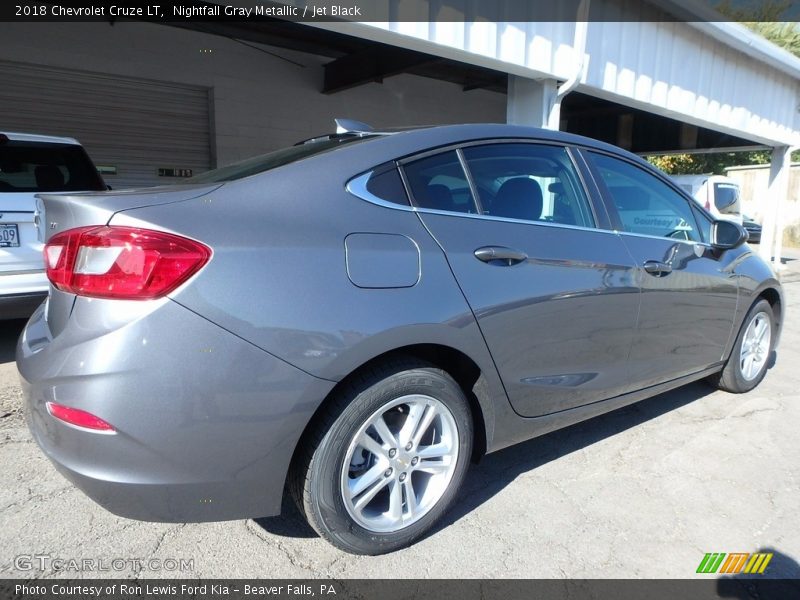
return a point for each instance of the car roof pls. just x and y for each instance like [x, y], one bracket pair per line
[35, 137]
[396, 144]
[479, 131]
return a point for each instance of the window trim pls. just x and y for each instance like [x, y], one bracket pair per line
[611, 208]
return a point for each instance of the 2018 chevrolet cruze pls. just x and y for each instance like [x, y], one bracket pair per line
[356, 318]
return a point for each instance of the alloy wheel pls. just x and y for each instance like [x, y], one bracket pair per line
[399, 463]
[755, 346]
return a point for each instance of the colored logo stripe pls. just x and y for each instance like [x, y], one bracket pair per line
[757, 563]
[710, 562]
[734, 563]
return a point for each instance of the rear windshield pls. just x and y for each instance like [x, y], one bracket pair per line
[43, 167]
[273, 160]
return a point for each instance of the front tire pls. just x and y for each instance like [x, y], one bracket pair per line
[749, 360]
[386, 458]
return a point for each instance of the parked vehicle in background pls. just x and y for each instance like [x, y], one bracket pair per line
[753, 229]
[718, 194]
[356, 318]
[30, 164]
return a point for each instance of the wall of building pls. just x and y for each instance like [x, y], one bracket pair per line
[260, 102]
[674, 69]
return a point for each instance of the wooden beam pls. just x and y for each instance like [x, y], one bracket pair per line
[369, 65]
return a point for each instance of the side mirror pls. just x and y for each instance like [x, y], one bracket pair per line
[726, 235]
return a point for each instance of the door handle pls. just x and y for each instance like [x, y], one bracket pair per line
[657, 268]
[500, 255]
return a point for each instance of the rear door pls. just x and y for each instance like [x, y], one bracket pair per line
[689, 290]
[554, 294]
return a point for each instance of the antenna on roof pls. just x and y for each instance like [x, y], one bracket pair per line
[352, 126]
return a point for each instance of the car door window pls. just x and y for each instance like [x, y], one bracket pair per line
[645, 204]
[531, 182]
[438, 182]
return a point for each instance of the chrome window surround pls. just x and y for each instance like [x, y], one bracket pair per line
[357, 186]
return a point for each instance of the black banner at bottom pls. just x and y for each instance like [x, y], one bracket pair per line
[745, 588]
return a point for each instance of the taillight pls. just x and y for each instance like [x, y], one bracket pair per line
[78, 418]
[708, 205]
[121, 262]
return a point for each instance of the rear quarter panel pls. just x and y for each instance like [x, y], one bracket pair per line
[279, 279]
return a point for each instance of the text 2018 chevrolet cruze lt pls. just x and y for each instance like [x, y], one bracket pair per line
[357, 317]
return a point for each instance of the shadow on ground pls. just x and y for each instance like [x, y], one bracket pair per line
[9, 333]
[499, 469]
[781, 579]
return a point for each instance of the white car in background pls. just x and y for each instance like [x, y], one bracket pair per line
[30, 164]
[719, 195]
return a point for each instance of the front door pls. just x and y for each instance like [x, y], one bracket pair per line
[689, 291]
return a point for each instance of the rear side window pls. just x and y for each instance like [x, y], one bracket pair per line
[439, 183]
[42, 167]
[531, 182]
[645, 204]
[387, 185]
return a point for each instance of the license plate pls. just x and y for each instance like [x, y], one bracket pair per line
[9, 235]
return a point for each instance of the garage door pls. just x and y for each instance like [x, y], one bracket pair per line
[138, 132]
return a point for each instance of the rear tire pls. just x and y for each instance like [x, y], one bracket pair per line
[751, 354]
[385, 459]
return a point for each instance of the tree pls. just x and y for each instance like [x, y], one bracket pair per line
[711, 163]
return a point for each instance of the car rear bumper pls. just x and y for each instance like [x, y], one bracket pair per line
[206, 424]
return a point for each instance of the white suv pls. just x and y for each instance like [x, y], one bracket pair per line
[30, 164]
[717, 194]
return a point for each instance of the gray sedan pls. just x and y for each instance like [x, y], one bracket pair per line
[356, 318]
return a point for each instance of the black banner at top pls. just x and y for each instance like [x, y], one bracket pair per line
[400, 10]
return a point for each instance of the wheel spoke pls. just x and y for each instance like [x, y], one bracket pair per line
[367, 496]
[748, 366]
[415, 411]
[411, 498]
[434, 468]
[383, 430]
[362, 482]
[424, 425]
[759, 329]
[439, 450]
[396, 502]
[371, 445]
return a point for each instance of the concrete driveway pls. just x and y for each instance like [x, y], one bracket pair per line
[645, 491]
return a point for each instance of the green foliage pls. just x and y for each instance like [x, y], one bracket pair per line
[759, 11]
[768, 19]
[714, 163]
